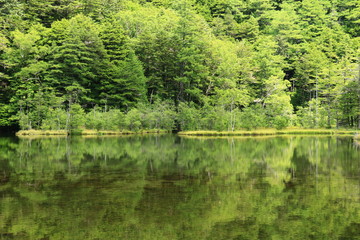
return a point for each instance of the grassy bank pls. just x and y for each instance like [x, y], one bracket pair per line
[124, 132]
[263, 132]
[84, 132]
[41, 132]
[257, 132]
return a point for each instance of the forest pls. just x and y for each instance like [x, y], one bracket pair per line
[185, 65]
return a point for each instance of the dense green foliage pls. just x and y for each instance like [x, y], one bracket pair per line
[213, 64]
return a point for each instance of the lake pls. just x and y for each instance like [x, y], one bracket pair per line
[171, 187]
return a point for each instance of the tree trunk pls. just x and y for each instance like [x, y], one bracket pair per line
[328, 108]
[316, 103]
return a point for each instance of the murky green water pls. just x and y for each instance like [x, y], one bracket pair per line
[167, 187]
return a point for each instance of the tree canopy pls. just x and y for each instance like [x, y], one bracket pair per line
[287, 62]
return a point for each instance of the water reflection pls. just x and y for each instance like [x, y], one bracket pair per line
[167, 187]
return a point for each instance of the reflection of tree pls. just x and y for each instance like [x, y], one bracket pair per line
[166, 187]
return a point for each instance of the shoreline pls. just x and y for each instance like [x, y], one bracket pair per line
[270, 132]
[85, 132]
[257, 132]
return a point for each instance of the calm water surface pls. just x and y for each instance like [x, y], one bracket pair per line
[169, 187]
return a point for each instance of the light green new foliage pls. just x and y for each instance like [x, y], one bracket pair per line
[230, 99]
[188, 117]
[164, 115]
[75, 117]
[94, 119]
[253, 117]
[24, 60]
[12, 14]
[286, 29]
[313, 116]
[133, 119]
[101, 119]
[209, 62]
[55, 119]
[215, 118]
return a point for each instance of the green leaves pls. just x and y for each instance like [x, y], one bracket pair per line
[79, 56]
[125, 83]
[224, 55]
